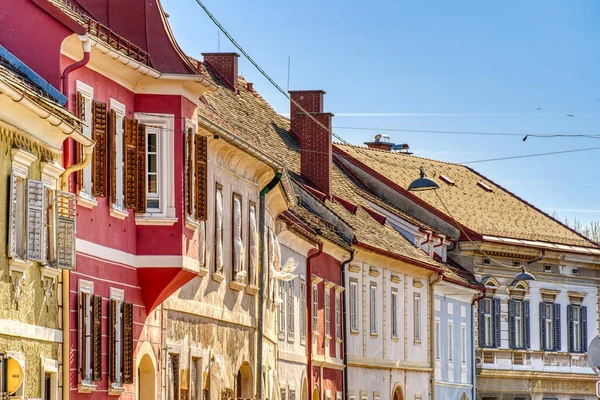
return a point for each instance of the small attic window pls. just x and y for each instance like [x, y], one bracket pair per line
[548, 268]
[485, 187]
[516, 263]
[575, 272]
[487, 261]
[447, 180]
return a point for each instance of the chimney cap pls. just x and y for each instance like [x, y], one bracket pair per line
[306, 91]
[221, 54]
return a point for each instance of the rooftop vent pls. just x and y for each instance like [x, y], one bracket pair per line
[484, 186]
[447, 180]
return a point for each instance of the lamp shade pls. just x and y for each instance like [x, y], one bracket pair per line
[422, 183]
[522, 276]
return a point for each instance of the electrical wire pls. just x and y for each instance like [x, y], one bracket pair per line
[531, 155]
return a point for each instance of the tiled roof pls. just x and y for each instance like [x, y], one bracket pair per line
[472, 200]
[250, 117]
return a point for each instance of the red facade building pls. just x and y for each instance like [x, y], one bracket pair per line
[137, 241]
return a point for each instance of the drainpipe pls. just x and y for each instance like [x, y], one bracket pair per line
[345, 344]
[309, 307]
[437, 278]
[261, 285]
[86, 44]
[473, 372]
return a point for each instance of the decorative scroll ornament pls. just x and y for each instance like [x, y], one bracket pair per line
[219, 232]
[238, 246]
[48, 285]
[18, 278]
[253, 255]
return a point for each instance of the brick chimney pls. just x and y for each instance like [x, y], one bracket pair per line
[225, 65]
[310, 100]
[315, 150]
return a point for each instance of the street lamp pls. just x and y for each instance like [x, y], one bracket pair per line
[522, 276]
[422, 183]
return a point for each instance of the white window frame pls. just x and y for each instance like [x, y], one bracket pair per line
[119, 296]
[302, 309]
[577, 333]
[163, 125]
[281, 308]
[338, 318]
[450, 342]
[291, 313]
[87, 93]
[21, 162]
[315, 308]
[394, 313]
[353, 298]
[437, 333]
[549, 323]
[488, 323]
[417, 316]
[327, 312]
[373, 307]
[87, 287]
[463, 344]
[189, 124]
[119, 137]
[519, 324]
[49, 366]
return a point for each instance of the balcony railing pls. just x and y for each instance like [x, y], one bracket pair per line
[117, 42]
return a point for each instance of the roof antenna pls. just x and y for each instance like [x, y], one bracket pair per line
[288, 82]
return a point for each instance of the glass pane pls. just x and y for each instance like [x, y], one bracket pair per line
[152, 184]
[151, 143]
[152, 204]
[152, 163]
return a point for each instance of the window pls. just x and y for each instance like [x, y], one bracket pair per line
[353, 305]
[152, 169]
[327, 312]
[85, 94]
[394, 311]
[548, 268]
[450, 342]
[253, 243]
[302, 308]
[120, 340]
[281, 307]
[417, 316]
[486, 322]
[292, 395]
[577, 324]
[315, 308]
[518, 321]
[173, 376]
[437, 340]
[373, 307]
[196, 379]
[290, 310]
[283, 393]
[237, 249]
[550, 326]
[117, 114]
[90, 334]
[548, 321]
[219, 228]
[463, 345]
[49, 384]
[338, 317]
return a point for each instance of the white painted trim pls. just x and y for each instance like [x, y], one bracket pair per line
[86, 286]
[50, 174]
[21, 161]
[117, 106]
[10, 327]
[117, 294]
[50, 366]
[155, 220]
[121, 257]
[85, 89]
[118, 212]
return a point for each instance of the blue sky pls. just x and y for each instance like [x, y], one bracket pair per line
[450, 65]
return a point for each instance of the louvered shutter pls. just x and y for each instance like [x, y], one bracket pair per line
[112, 159]
[511, 324]
[557, 327]
[127, 343]
[99, 127]
[80, 112]
[481, 322]
[35, 221]
[112, 337]
[497, 337]
[97, 338]
[526, 324]
[543, 326]
[584, 338]
[570, 327]
[83, 300]
[13, 208]
[140, 203]
[65, 212]
[130, 127]
[189, 172]
[201, 175]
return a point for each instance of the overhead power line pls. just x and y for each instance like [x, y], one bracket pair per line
[531, 155]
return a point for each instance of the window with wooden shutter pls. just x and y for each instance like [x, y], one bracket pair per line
[189, 172]
[511, 324]
[80, 113]
[557, 338]
[113, 336]
[526, 325]
[584, 337]
[128, 343]
[16, 225]
[140, 203]
[497, 320]
[201, 146]
[64, 208]
[112, 159]
[130, 151]
[543, 340]
[97, 338]
[481, 322]
[99, 129]
[35, 221]
[84, 334]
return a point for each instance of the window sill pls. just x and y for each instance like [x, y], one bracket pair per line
[354, 332]
[328, 337]
[374, 334]
[202, 271]
[417, 342]
[237, 286]
[290, 339]
[86, 201]
[191, 224]
[19, 265]
[338, 340]
[114, 390]
[395, 339]
[155, 220]
[217, 277]
[86, 387]
[118, 212]
[251, 290]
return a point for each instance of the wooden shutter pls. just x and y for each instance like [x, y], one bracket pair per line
[112, 336]
[112, 159]
[189, 171]
[543, 326]
[97, 338]
[511, 324]
[481, 322]
[35, 221]
[140, 204]
[65, 212]
[570, 327]
[130, 128]
[99, 129]
[584, 338]
[201, 174]
[556, 327]
[80, 113]
[526, 326]
[127, 343]
[12, 224]
[497, 330]
[83, 300]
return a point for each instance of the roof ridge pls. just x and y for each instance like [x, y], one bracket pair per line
[395, 154]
